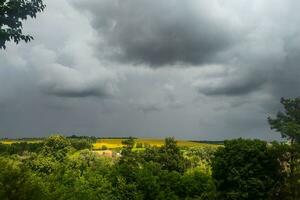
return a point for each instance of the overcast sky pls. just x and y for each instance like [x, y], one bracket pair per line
[205, 70]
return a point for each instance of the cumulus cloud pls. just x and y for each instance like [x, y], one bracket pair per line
[64, 63]
[70, 83]
[85, 79]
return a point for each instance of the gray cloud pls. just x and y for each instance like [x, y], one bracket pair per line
[225, 66]
[236, 84]
[266, 58]
[147, 108]
[62, 81]
[85, 92]
[162, 33]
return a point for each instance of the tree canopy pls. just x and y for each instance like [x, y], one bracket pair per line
[12, 13]
[288, 121]
[67, 168]
[245, 169]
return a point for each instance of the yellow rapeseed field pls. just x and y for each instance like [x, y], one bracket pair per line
[117, 143]
[7, 142]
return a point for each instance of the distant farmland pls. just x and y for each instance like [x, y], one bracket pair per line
[114, 143]
[145, 142]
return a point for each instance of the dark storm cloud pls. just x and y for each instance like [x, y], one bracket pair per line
[76, 92]
[225, 65]
[161, 32]
[64, 82]
[265, 59]
[286, 79]
[235, 85]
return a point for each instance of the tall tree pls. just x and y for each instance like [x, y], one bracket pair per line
[288, 124]
[12, 13]
[245, 170]
[171, 158]
[57, 146]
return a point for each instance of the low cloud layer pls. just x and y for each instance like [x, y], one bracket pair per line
[192, 69]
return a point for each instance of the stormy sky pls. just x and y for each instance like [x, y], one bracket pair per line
[205, 70]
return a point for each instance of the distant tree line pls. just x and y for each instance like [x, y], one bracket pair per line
[35, 147]
[208, 141]
[20, 147]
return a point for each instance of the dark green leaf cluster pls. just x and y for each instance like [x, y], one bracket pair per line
[20, 148]
[80, 144]
[288, 122]
[12, 12]
[160, 173]
[246, 169]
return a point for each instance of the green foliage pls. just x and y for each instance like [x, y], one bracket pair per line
[139, 145]
[128, 145]
[288, 122]
[289, 188]
[90, 186]
[160, 173]
[43, 165]
[56, 146]
[200, 155]
[147, 180]
[18, 183]
[197, 184]
[242, 169]
[245, 169]
[20, 148]
[171, 158]
[168, 156]
[80, 144]
[12, 12]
